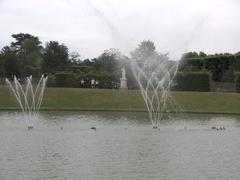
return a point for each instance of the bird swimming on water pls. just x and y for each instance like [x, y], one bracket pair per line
[94, 128]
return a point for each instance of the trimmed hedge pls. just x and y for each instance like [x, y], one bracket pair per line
[33, 71]
[65, 79]
[51, 81]
[193, 81]
[71, 79]
[237, 81]
[220, 66]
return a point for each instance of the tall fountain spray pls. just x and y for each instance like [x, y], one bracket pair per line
[155, 76]
[28, 96]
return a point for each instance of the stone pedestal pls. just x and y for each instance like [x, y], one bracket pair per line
[123, 83]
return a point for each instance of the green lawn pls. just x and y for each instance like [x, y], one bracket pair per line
[126, 100]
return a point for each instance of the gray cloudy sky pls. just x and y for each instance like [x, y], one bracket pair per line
[90, 26]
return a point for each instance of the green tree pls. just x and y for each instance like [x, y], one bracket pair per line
[109, 61]
[21, 38]
[55, 57]
[146, 54]
[30, 55]
[190, 55]
[2, 68]
[202, 54]
[28, 50]
[74, 58]
[10, 62]
[144, 50]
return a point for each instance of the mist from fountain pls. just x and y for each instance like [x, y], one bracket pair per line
[28, 96]
[155, 76]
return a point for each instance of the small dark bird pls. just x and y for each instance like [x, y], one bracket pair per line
[223, 128]
[214, 127]
[30, 128]
[94, 128]
[155, 127]
[61, 128]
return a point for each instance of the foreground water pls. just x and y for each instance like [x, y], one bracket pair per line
[124, 146]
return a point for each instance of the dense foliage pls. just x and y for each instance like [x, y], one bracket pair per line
[27, 55]
[237, 81]
[193, 81]
[55, 57]
[222, 66]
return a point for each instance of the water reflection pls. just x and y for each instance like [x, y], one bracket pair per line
[124, 146]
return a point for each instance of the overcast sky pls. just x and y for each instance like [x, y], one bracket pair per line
[90, 26]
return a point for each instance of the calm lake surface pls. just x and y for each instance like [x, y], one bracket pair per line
[124, 146]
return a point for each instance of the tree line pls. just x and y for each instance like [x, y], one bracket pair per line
[26, 55]
[222, 66]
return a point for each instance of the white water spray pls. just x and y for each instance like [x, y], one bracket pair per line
[29, 98]
[155, 76]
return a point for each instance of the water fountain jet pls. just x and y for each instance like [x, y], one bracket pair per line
[28, 98]
[155, 76]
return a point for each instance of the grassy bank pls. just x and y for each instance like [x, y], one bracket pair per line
[126, 100]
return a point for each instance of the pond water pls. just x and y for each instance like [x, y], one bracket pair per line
[124, 146]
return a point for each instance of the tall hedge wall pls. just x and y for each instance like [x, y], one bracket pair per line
[221, 67]
[65, 79]
[237, 81]
[193, 81]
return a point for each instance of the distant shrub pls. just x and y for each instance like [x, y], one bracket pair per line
[237, 81]
[220, 66]
[65, 79]
[51, 81]
[31, 71]
[193, 81]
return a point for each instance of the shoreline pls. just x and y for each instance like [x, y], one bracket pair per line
[118, 110]
[106, 100]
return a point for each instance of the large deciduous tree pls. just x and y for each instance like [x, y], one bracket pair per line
[191, 55]
[9, 62]
[144, 50]
[28, 50]
[109, 64]
[21, 38]
[55, 57]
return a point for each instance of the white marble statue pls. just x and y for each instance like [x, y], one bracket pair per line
[123, 73]
[123, 79]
